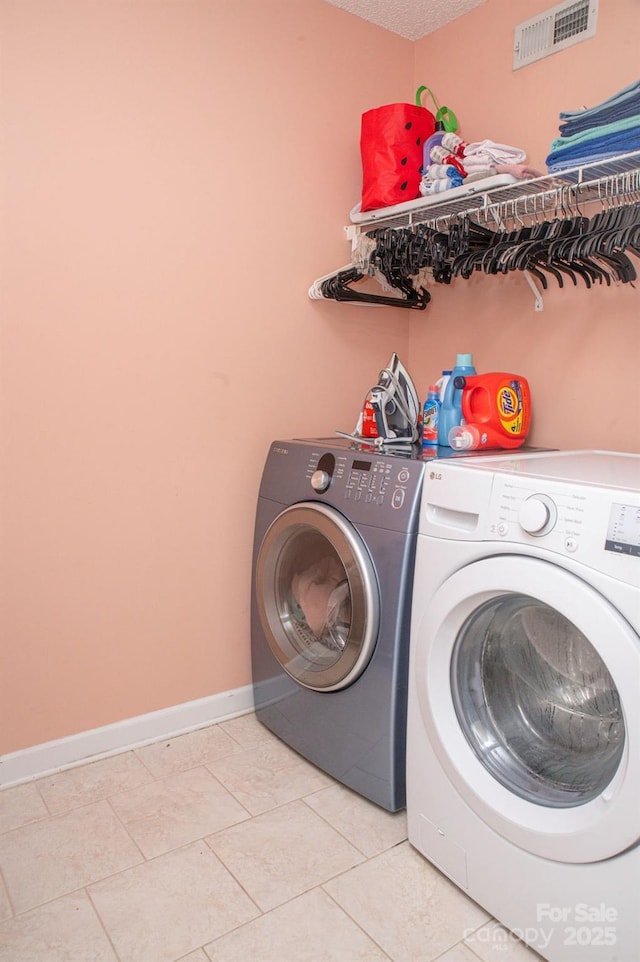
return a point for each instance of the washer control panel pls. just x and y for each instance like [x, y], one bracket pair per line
[582, 505]
[573, 519]
[521, 507]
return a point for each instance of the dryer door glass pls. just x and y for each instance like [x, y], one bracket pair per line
[317, 596]
[536, 702]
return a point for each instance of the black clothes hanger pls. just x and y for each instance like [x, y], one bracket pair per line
[569, 247]
[339, 288]
[560, 244]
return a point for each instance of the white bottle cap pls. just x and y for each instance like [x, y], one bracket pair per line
[463, 437]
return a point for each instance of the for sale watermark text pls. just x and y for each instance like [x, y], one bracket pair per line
[580, 924]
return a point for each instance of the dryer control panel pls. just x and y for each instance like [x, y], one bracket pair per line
[368, 487]
[374, 484]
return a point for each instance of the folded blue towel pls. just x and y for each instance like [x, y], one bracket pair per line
[598, 149]
[599, 132]
[578, 162]
[630, 91]
[606, 130]
[606, 115]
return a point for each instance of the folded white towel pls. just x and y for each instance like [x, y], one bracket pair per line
[478, 163]
[491, 153]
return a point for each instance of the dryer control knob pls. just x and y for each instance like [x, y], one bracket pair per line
[537, 514]
[320, 480]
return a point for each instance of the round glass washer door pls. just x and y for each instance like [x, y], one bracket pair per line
[528, 685]
[317, 596]
[536, 702]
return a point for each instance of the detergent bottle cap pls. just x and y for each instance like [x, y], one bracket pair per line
[464, 360]
[433, 389]
[464, 437]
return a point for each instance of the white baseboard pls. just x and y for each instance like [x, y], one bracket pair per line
[50, 757]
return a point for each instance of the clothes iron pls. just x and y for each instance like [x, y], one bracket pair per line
[395, 405]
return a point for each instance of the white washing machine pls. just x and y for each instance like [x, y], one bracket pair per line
[523, 740]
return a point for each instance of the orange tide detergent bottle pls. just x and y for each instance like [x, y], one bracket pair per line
[496, 411]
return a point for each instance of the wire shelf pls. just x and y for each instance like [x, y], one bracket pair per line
[601, 180]
[611, 183]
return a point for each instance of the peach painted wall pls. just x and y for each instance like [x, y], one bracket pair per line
[580, 354]
[176, 174]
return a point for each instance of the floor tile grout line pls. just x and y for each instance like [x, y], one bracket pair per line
[165, 778]
[234, 877]
[32, 821]
[319, 885]
[461, 942]
[264, 913]
[303, 798]
[145, 861]
[287, 900]
[126, 831]
[83, 804]
[108, 796]
[105, 878]
[94, 908]
[10, 901]
[37, 782]
[202, 763]
[436, 958]
[356, 923]
[235, 739]
[56, 898]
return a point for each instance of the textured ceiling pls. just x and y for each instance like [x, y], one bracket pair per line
[412, 19]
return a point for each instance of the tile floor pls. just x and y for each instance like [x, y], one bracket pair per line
[222, 845]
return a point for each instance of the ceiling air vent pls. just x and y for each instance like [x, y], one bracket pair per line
[556, 29]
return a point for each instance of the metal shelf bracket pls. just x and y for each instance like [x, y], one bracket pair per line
[538, 306]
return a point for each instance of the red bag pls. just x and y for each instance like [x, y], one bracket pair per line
[391, 141]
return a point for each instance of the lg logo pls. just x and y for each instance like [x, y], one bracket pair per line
[435, 476]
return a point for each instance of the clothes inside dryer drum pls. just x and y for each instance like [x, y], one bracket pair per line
[536, 702]
[320, 596]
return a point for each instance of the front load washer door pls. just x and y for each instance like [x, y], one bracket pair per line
[317, 596]
[529, 685]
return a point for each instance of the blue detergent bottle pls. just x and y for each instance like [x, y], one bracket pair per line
[451, 410]
[442, 384]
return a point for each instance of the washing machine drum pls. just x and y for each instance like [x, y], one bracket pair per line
[317, 596]
[537, 702]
